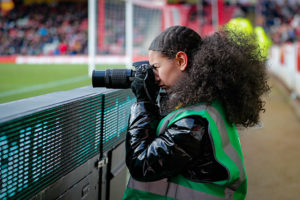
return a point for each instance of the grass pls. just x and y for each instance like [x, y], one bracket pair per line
[23, 81]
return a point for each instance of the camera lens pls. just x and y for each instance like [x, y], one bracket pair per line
[113, 78]
[98, 78]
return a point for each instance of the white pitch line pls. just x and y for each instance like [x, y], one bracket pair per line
[44, 86]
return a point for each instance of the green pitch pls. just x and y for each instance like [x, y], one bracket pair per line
[23, 81]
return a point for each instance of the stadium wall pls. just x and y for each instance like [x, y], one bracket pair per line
[284, 63]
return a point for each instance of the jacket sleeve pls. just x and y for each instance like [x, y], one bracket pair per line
[150, 157]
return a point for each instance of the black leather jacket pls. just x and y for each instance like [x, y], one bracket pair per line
[184, 148]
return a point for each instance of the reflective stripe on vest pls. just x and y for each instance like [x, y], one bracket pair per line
[167, 188]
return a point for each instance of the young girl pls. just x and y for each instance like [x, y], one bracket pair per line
[213, 85]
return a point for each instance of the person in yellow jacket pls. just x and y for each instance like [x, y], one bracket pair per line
[263, 40]
[241, 25]
[213, 84]
[244, 26]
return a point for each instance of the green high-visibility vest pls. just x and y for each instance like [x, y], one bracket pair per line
[227, 151]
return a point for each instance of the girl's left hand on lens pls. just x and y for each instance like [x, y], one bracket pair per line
[144, 86]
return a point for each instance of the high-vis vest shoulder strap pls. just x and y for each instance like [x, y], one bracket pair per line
[227, 152]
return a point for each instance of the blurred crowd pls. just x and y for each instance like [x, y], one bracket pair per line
[281, 20]
[44, 29]
[61, 28]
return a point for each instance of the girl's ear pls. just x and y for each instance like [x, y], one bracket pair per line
[182, 60]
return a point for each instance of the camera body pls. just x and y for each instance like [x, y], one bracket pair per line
[115, 78]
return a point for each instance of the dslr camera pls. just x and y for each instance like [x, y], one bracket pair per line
[115, 78]
[122, 79]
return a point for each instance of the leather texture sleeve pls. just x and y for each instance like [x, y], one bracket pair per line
[150, 157]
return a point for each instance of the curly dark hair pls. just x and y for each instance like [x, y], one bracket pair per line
[227, 67]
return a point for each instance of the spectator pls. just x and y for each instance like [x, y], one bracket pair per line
[44, 29]
[282, 20]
